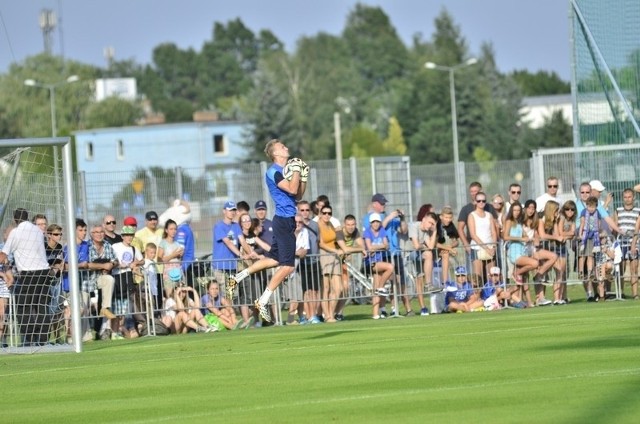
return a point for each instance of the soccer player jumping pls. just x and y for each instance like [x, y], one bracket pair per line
[287, 180]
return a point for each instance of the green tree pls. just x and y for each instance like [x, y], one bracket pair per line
[394, 144]
[542, 83]
[112, 112]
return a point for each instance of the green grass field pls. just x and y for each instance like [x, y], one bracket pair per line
[578, 363]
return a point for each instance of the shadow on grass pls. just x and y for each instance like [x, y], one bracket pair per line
[331, 334]
[615, 342]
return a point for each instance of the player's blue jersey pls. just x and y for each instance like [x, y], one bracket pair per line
[285, 202]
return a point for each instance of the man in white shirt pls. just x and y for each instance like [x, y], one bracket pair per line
[551, 194]
[26, 243]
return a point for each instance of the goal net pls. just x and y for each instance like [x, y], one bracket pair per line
[34, 313]
[606, 71]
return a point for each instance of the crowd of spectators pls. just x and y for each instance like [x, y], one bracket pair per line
[484, 260]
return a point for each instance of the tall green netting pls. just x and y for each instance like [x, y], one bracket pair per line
[606, 71]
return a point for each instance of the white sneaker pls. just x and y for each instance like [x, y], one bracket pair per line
[543, 302]
[88, 336]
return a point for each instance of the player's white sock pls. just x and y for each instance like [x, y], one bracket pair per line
[264, 299]
[241, 275]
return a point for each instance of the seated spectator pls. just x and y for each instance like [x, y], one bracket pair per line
[217, 309]
[461, 296]
[494, 291]
[188, 317]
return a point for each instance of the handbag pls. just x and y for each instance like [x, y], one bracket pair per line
[483, 255]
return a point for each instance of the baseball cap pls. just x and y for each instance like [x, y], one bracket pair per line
[128, 229]
[494, 270]
[130, 221]
[597, 185]
[150, 215]
[260, 204]
[461, 270]
[379, 198]
[230, 205]
[375, 217]
[175, 274]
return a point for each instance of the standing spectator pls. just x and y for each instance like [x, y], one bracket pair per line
[550, 194]
[109, 225]
[377, 262]
[150, 234]
[82, 245]
[447, 242]
[353, 244]
[463, 219]
[266, 235]
[331, 263]
[54, 250]
[169, 252]
[128, 296]
[626, 217]
[552, 241]
[567, 228]
[483, 236]
[227, 240]
[520, 251]
[102, 260]
[6, 281]
[423, 235]
[40, 221]
[293, 284]
[515, 190]
[545, 258]
[310, 265]
[248, 288]
[32, 291]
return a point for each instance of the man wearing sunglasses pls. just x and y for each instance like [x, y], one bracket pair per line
[551, 194]
[109, 225]
[515, 190]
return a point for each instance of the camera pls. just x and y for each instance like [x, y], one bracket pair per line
[400, 214]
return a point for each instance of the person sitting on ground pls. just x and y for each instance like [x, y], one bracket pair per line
[494, 291]
[608, 253]
[217, 309]
[461, 296]
[188, 316]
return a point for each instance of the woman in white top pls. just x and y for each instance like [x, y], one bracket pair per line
[482, 232]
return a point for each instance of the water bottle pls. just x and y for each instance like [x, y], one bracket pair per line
[437, 277]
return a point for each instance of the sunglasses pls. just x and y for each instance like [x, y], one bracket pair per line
[552, 185]
[516, 192]
[110, 222]
[481, 200]
[55, 234]
[305, 210]
[585, 192]
[570, 209]
[461, 275]
[327, 213]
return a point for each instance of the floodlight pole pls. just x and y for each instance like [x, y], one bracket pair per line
[454, 120]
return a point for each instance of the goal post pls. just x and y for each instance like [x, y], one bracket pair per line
[30, 178]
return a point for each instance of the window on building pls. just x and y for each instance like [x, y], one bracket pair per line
[89, 150]
[218, 143]
[120, 150]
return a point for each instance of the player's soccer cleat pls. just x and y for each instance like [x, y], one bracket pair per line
[263, 311]
[231, 286]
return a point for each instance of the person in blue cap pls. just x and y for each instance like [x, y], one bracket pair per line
[461, 295]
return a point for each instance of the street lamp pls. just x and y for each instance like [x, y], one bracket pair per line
[454, 118]
[52, 96]
[54, 128]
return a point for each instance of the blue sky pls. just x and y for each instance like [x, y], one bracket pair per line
[531, 35]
